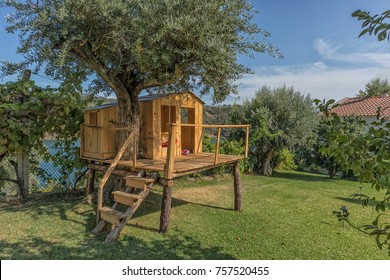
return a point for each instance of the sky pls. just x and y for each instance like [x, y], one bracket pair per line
[323, 55]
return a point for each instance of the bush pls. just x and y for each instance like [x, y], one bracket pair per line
[284, 160]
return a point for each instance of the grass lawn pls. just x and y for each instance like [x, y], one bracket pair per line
[288, 216]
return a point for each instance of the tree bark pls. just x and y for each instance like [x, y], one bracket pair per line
[129, 116]
[165, 209]
[237, 187]
[266, 168]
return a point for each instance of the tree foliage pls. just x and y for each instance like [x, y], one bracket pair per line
[139, 45]
[324, 137]
[279, 118]
[368, 156]
[376, 25]
[376, 87]
[28, 113]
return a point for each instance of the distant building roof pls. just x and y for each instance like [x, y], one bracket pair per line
[363, 107]
[141, 99]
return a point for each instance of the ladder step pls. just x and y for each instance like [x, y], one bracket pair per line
[125, 198]
[112, 216]
[138, 182]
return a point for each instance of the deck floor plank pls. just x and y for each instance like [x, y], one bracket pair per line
[183, 164]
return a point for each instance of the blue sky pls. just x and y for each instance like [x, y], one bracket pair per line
[323, 56]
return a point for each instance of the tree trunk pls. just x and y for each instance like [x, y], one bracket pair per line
[129, 116]
[90, 188]
[332, 171]
[266, 168]
[237, 187]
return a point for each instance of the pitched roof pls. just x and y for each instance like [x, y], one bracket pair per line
[358, 106]
[143, 99]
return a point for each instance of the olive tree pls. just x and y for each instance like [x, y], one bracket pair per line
[279, 118]
[135, 45]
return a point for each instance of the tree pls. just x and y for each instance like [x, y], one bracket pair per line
[368, 156]
[324, 137]
[376, 87]
[279, 118]
[28, 113]
[139, 45]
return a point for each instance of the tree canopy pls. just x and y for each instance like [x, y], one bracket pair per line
[376, 87]
[136, 45]
[280, 117]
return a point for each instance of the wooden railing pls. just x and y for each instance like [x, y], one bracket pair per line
[109, 171]
[168, 170]
[82, 132]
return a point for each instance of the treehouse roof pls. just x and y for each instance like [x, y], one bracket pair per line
[144, 99]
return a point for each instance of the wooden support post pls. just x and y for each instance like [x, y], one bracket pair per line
[246, 141]
[165, 208]
[134, 151]
[237, 187]
[22, 158]
[217, 146]
[168, 170]
[90, 188]
[23, 176]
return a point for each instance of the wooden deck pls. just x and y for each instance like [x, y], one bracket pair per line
[183, 165]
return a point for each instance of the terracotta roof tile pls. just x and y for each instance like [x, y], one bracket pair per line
[358, 106]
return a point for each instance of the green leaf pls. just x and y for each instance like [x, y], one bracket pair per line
[363, 33]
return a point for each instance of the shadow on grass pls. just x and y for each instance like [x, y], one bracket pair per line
[169, 246]
[359, 201]
[303, 176]
[84, 245]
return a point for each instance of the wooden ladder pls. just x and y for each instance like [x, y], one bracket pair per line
[132, 200]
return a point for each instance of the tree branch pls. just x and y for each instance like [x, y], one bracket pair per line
[156, 83]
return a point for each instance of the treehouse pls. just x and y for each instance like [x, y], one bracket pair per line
[169, 141]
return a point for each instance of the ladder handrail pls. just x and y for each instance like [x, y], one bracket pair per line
[103, 181]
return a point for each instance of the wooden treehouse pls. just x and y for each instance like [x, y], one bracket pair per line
[169, 142]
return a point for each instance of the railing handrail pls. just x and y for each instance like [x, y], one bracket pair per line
[211, 125]
[168, 170]
[103, 181]
[101, 127]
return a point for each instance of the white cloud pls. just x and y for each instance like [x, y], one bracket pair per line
[342, 71]
[317, 79]
[371, 54]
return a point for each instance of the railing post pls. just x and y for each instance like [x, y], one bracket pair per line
[168, 172]
[135, 151]
[247, 142]
[217, 146]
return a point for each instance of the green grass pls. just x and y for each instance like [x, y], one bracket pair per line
[288, 216]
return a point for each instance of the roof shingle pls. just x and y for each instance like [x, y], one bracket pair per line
[358, 106]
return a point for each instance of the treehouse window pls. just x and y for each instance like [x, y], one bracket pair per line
[93, 119]
[168, 115]
[184, 115]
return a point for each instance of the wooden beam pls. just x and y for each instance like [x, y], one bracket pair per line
[135, 151]
[246, 141]
[217, 146]
[237, 187]
[168, 170]
[166, 205]
[213, 125]
[108, 174]
[102, 168]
